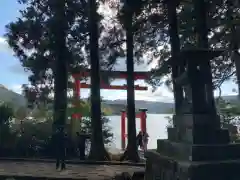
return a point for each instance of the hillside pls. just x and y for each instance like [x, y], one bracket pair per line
[11, 97]
[153, 107]
[116, 106]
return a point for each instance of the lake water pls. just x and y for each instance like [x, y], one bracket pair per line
[156, 128]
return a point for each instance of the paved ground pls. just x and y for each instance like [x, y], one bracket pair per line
[140, 153]
[47, 170]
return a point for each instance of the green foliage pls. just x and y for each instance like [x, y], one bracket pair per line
[6, 114]
[107, 131]
[17, 136]
[222, 21]
[85, 110]
[20, 138]
[20, 113]
[30, 37]
[229, 116]
[229, 112]
[150, 32]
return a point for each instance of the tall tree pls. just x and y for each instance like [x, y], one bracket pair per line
[46, 45]
[152, 38]
[132, 151]
[234, 38]
[6, 115]
[85, 125]
[60, 53]
[129, 10]
[175, 50]
[30, 38]
[44, 28]
[97, 151]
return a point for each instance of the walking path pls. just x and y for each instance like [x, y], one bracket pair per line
[39, 170]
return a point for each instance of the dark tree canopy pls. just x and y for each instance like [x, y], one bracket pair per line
[30, 38]
[221, 34]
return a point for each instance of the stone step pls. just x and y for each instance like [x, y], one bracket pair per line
[195, 120]
[209, 170]
[127, 176]
[204, 170]
[199, 135]
[163, 161]
[203, 152]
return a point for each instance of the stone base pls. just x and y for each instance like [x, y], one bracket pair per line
[198, 152]
[199, 135]
[197, 129]
[161, 167]
[196, 149]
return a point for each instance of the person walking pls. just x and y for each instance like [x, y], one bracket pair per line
[140, 139]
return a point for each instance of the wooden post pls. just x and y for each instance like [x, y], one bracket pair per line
[123, 129]
[143, 120]
[76, 94]
[76, 117]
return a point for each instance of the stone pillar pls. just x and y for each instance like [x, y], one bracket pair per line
[196, 148]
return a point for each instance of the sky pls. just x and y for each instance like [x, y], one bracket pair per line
[12, 75]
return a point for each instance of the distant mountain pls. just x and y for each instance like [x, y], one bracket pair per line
[11, 97]
[231, 98]
[116, 106]
[151, 106]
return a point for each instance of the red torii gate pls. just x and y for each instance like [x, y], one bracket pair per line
[113, 74]
[142, 115]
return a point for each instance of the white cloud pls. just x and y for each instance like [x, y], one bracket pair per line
[2, 40]
[161, 94]
[142, 66]
[16, 88]
[4, 46]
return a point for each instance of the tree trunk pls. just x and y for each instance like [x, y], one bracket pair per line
[59, 28]
[131, 152]
[234, 42]
[236, 60]
[97, 151]
[175, 50]
[60, 68]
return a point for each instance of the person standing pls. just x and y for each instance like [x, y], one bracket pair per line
[81, 143]
[145, 137]
[33, 146]
[60, 149]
